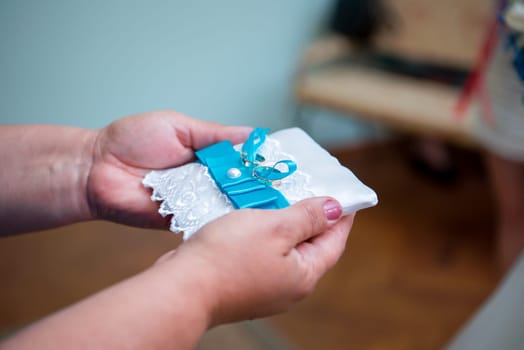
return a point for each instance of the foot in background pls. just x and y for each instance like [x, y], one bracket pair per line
[431, 158]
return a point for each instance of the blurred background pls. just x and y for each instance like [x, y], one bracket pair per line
[88, 63]
[379, 83]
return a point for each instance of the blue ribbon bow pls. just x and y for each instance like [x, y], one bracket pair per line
[242, 177]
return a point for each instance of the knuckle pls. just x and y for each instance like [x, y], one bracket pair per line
[305, 289]
[308, 281]
[330, 261]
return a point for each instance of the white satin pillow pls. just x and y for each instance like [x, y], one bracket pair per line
[190, 194]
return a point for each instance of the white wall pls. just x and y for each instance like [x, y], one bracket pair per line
[86, 63]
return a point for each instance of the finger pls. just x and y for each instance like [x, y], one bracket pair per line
[203, 133]
[307, 218]
[323, 251]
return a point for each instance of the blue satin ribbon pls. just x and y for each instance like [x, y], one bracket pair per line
[274, 174]
[250, 148]
[240, 176]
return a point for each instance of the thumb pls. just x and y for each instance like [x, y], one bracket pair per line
[309, 218]
[204, 133]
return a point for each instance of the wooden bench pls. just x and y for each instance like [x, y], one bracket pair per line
[444, 32]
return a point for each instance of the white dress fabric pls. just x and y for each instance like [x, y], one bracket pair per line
[190, 195]
[502, 129]
[498, 324]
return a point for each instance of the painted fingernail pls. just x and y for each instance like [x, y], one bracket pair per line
[332, 209]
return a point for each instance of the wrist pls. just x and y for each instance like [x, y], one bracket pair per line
[83, 170]
[186, 287]
[207, 286]
[46, 173]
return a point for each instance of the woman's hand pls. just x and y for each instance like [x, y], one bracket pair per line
[254, 263]
[247, 264]
[130, 147]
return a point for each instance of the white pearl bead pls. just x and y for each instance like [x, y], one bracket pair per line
[233, 173]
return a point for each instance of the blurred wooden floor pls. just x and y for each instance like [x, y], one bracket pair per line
[416, 266]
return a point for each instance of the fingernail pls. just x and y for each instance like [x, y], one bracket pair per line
[332, 209]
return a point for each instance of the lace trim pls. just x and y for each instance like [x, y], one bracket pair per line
[190, 195]
[293, 187]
